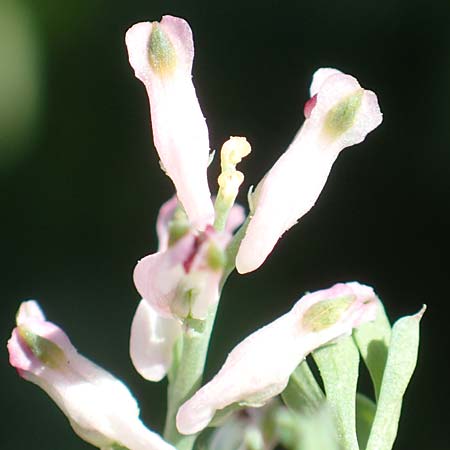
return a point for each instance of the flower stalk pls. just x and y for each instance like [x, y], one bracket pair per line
[187, 378]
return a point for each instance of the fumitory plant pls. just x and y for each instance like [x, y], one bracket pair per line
[266, 395]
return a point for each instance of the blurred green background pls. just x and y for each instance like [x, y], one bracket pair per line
[81, 184]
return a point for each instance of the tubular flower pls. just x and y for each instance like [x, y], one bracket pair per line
[339, 114]
[259, 367]
[181, 280]
[99, 407]
[161, 55]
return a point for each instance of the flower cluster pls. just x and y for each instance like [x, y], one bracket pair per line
[201, 240]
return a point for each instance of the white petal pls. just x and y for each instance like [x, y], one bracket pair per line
[319, 77]
[29, 310]
[152, 341]
[259, 367]
[235, 218]
[157, 276]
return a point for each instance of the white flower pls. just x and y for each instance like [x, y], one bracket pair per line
[181, 280]
[339, 114]
[259, 367]
[100, 408]
[161, 55]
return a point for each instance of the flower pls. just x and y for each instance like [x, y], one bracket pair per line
[161, 55]
[339, 114]
[99, 407]
[180, 281]
[259, 367]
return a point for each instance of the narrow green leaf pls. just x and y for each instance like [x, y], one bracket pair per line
[401, 361]
[372, 339]
[318, 432]
[338, 365]
[307, 432]
[365, 413]
[303, 394]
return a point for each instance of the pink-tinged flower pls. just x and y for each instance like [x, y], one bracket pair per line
[339, 114]
[260, 366]
[180, 280]
[161, 55]
[100, 408]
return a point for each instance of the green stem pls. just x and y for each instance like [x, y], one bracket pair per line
[187, 379]
[232, 250]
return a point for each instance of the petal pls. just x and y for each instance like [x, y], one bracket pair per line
[334, 89]
[293, 185]
[179, 128]
[319, 77]
[157, 276]
[183, 280]
[202, 289]
[152, 341]
[162, 223]
[100, 408]
[29, 310]
[235, 218]
[259, 367]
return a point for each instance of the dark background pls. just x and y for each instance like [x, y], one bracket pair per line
[81, 185]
